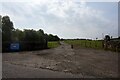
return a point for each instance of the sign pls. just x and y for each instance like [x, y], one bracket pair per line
[14, 46]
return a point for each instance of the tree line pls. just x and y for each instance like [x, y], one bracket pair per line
[28, 39]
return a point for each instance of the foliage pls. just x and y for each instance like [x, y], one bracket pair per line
[29, 39]
[51, 37]
[107, 37]
[7, 28]
[17, 35]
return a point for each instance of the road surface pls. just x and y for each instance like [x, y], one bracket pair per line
[61, 62]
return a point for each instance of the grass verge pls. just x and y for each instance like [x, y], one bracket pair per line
[53, 44]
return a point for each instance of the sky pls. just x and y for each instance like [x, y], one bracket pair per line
[65, 18]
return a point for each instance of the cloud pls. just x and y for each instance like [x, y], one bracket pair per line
[67, 19]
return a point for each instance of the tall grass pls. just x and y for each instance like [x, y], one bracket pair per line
[86, 43]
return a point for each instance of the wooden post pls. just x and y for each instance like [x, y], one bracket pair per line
[85, 43]
[90, 45]
[72, 46]
[117, 48]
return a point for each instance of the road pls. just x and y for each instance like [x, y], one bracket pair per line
[16, 71]
[61, 62]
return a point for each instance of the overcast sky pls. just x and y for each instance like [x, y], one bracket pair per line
[67, 19]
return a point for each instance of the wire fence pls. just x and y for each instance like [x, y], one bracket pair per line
[96, 44]
[86, 43]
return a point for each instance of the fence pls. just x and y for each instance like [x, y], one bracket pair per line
[97, 44]
[112, 45]
[87, 43]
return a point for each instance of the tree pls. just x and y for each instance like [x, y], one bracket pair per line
[17, 35]
[28, 39]
[53, 38]
[35, 39]
[107, 37]
[50, 37]
[106, 41]
[56, 38]
[7, 28]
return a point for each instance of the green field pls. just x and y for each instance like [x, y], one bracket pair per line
[86, 43]
[53, 44]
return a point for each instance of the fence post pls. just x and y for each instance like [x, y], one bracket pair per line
[90, 44]
[85, 43]
[117, 48]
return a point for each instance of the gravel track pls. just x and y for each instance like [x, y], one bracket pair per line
[61, 62]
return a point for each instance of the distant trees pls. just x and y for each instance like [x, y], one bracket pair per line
[53, 38]
[29, 39]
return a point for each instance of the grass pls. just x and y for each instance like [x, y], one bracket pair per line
[86, 43]
[53, 44]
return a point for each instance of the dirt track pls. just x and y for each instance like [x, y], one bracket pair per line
[81, 62]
